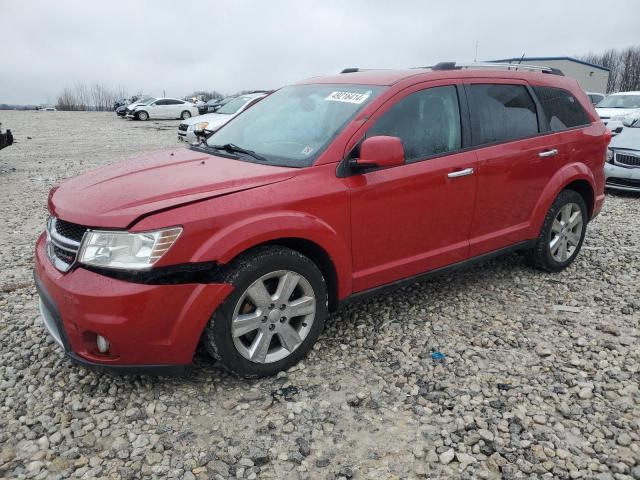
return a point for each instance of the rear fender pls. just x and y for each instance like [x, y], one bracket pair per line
[563, 177]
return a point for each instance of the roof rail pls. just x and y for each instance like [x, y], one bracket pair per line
[507, 66]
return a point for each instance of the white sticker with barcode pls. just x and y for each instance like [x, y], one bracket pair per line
[349, 97]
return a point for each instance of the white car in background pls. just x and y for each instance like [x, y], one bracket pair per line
[140, 101]
[164, 108]
[213, 121]
[617, 107]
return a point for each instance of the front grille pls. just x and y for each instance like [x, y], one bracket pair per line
[64, 255]
[626, 159]
[70, 230]
[623, 182]
[183, 127]
[63, 242]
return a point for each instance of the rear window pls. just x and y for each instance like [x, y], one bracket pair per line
[561, 109]
[501, 113]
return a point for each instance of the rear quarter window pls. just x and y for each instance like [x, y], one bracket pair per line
[501, 112]
[561, 109]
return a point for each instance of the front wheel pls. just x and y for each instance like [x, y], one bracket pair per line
[184, 115]
[562, 233]
[273, 316]
[142, 116]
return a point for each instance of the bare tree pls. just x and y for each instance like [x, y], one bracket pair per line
[624, 67]
[67, 100]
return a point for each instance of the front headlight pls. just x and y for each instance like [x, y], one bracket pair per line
[199, 126]
[609, 155]
[124, 250]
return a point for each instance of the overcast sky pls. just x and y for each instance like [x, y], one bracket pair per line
[179, 47]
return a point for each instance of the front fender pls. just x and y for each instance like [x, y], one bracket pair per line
[228, 242]
[567, 174]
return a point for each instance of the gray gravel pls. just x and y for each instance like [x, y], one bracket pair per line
[528, 389]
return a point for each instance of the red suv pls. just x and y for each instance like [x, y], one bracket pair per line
[325, 191]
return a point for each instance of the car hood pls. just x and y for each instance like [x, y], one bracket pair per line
[214, 119]
[117, 195]
[628, 139]
[614, 112]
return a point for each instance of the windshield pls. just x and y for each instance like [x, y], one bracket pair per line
[293, 125]
[234, 105]
[620, 101]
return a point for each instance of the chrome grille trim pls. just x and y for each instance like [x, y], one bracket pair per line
[55, 240]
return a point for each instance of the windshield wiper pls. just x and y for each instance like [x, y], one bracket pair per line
[232, 148]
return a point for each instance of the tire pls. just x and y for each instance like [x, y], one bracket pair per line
[144, 116]
[272, 267]
[184, 115]
[557, 229]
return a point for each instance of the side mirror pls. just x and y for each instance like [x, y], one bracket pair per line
[381, 151]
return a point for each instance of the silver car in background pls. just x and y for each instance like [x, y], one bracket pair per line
[213, 121]
[622, 170]
[617, 107]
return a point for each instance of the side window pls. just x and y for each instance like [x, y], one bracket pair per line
[160, 103]
[561, 108]
[175, 102]
[427, 122]
[501, 112]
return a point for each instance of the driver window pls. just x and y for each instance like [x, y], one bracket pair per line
[427, 122]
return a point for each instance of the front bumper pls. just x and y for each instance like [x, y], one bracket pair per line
[625, 179]
[150, 328]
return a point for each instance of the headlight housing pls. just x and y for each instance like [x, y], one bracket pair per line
[125, 250]
[199, 126]
[609, 155]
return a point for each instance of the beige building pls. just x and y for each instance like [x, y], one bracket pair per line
[592, 78]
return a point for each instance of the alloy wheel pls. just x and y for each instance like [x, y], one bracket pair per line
[273, 316]
[566, 232]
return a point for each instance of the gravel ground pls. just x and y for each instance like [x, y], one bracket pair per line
[541, 375]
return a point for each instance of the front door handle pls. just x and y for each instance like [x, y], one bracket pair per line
[548, 153]
[461, 173]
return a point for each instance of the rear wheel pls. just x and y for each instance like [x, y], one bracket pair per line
[273, 316]
[142, 116]
[562, 233]
[184, 115]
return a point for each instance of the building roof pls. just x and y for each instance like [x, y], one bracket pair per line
[537, 59]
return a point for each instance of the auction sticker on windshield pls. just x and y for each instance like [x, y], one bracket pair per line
[349, 97]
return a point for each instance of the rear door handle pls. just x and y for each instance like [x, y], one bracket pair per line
[461, 173]
[548, 153]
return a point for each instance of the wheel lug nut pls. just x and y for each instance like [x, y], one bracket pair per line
[272, 326]
[283, 319]
[271, 305]
[283, 306]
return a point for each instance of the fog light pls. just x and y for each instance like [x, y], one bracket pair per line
[103, 344]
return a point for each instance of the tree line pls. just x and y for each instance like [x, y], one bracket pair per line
[98, 97]
[623, 65]
[88, 97]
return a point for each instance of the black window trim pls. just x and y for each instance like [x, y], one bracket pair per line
[465, 106]
[344, 169]
[544, 115]
[499, 142]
